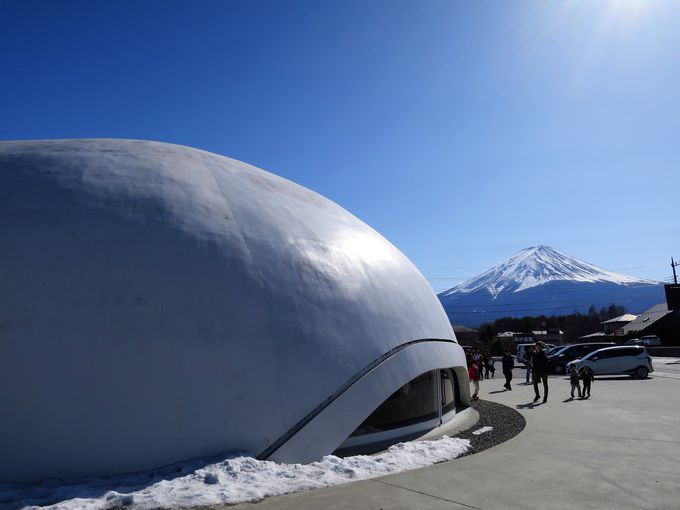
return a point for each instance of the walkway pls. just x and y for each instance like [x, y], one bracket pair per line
[619, 450]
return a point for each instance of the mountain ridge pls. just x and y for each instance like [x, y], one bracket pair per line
[543, 281]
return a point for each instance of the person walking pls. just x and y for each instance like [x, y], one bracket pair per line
[573, 379]
[527, 362]
[508, 365]
[473, 375]
[488, 364]
[477, 358]
[587, 376]
[540, 368]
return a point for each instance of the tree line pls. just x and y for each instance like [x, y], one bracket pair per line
[574, 325]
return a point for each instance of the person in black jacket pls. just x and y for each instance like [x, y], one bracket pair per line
[527, 360]
[540, 368]
[586, 374]
[508, 365]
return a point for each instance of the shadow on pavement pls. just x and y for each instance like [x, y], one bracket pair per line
[529, 405]
[621, 378]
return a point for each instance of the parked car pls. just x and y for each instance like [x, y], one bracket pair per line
[558, 361]
[523, 348]
[634, 361]
[553, 350]
[645, 341]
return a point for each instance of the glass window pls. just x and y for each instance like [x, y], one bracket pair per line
[606, 354]
[579, 351]
[414, 402]
[631, 351]
[449, 390]
[591, 348]
[618, 353]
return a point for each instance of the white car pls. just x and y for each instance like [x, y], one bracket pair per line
[633, 361]
[522, 349]
[645, 341]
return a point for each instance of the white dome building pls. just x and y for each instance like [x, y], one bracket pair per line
[160, 303]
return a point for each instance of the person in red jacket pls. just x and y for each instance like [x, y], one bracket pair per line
[473, 374]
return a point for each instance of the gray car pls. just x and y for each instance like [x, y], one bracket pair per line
[633, 361]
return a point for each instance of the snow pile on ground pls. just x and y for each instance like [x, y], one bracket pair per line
[229, 481]
[482, 430]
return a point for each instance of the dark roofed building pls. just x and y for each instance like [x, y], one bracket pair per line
[658, 320]
[615, 326]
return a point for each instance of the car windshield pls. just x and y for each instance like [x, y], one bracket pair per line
[555, 350]
[558, 350]
[591, 354]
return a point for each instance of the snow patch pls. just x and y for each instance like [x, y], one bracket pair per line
[482, 430]
[229, 481]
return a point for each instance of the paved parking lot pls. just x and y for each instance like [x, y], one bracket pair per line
[618, 450]
[666, 367]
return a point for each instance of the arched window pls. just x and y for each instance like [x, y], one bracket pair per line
[418, 406]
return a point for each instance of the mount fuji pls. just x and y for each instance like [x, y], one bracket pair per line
[543, 281]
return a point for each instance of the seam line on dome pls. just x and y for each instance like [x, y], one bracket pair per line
[267, 452]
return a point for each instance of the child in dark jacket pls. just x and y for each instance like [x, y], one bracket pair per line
[508, 365]
[587, 376]
[573, 379]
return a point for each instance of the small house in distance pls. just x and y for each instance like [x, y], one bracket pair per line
[615, 326]
[466, 336]
[549, 336]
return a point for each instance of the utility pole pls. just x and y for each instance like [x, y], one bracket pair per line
[674, 265]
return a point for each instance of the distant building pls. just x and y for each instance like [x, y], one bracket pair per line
[551, 336]
[523, 338]
[593, 336]
[466, 336]
[615, 326]
[662, 320]
[658, 320]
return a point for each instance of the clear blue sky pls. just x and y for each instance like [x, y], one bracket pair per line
[463, 131]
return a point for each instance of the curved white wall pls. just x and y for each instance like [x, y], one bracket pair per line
[160, 303]
[337, 421]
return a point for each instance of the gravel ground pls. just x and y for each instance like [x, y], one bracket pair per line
[506, 423]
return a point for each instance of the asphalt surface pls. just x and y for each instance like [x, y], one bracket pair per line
[505, 421]
[620, 449]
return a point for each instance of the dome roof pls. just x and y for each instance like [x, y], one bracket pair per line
[161, 299]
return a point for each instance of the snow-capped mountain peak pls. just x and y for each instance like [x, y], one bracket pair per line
[536, 266]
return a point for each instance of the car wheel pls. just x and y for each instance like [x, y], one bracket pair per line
[559, 369]
[641, 372]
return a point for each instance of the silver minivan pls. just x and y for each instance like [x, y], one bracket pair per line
[633, 361]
